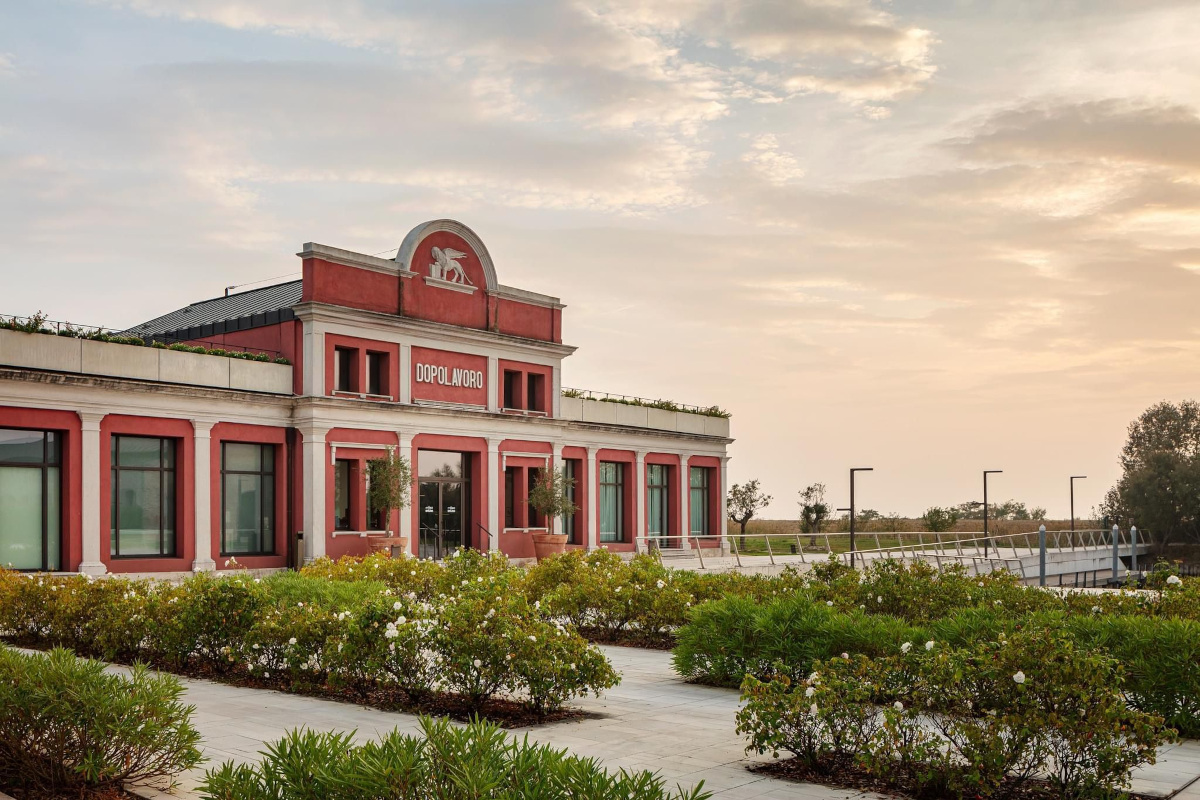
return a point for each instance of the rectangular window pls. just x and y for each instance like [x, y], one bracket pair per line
[341, 495]
[30, 500]
[376, 519]
[612, 501]
[534, 517]
[142, 518]
[247, 499]
[510, 497]
[343, 369]
[534, 385]
[512, 388]
[571, 473]
[377, 365]
[656, 499]
[698, 497]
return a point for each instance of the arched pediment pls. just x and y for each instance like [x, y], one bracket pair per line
[410, 248]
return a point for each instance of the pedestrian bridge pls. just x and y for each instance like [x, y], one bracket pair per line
[1053, 558]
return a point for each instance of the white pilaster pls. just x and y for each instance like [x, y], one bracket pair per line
[315, 469]
[592, 524]
[556, 462]
[493, 384]
[405, 527]
[90, 472]
[313, 382]
[202, 521]
[721, 524]
[406, 374]
[685, 497]
[640, 502]
[556, 392]
[495, 490]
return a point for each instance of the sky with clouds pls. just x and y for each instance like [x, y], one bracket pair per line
[928, 236]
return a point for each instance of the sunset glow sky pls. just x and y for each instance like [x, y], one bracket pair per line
[926, 237]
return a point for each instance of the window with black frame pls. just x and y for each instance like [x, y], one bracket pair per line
[341, 495]
[571, 487]
[142, 513]
[612, 501]
[30, 499]
[698, 497]
[247, 499]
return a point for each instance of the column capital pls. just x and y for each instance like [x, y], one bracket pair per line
[201, 428]
[493, 443]
[313, 433]
[91, 419]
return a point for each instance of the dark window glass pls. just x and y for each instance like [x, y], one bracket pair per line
[512, 388]
[510, 497]
[612, 501]
[343, 369]
[534, 394]
[657, 504]
[30, 500]
[439, 464]
[377, 373]
[536, 519]
[698, 496]
[341, 495]
[571, 473]
[247, 499]
[142, 519]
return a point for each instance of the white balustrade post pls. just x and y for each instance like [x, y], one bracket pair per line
[640, 510]
[685, 506]
[592, 524]
[202, 480]
[90, 474]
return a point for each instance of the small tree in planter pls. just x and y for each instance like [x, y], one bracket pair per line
[548, 496]
[390, 481]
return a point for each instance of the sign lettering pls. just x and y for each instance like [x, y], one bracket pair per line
[449, 376]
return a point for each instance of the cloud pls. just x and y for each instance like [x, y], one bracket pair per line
[776, 165]
[8, 65]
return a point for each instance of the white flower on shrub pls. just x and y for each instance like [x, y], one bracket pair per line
[477, 663]
[846, 656]
[898, 705]
[813, 709]
[1174, 580]
[533, 638]
[929, 645]
[1019, 677]
[904, 648]
[292, 641]
[809, 692]
[396, 606]
[879, 598]
[660, 584]
[829, 603]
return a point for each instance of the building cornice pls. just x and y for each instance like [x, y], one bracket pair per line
[526, 296]
[348, 258]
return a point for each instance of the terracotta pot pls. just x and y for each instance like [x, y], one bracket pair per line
[391, 544]
[547, 544]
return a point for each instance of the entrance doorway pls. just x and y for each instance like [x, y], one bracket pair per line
[442, 492]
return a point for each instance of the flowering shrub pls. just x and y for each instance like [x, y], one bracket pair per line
[469, 636]
[475, 762]
[937, 720]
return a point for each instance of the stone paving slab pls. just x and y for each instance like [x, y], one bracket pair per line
[652, 720]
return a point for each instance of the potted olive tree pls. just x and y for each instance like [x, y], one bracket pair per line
[548, 496]
[390, 480]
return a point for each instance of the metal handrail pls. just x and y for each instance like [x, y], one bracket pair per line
[590, 394]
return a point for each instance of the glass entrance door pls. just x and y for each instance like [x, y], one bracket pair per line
[442, 494]
[656, 504]
[30, 500]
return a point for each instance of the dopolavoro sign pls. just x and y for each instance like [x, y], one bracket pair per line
[449, 376]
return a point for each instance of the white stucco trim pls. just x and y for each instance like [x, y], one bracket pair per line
[408, 247]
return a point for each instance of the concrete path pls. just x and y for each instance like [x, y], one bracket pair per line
[652, 720]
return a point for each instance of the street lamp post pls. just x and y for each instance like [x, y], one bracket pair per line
[852, 471]
[1073, 479]
[986, 540]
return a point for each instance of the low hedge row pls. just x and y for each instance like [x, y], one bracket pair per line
[475, 762]
[641, 601]
[68, 727]
[734, 637]
[468, 638]
[935, 720]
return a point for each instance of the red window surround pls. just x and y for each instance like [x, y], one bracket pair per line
[525, 388]
[253, 434]
[629, 501]
[185, 491]
[674, 517]
[583, 486]
[716, 515]
[361, 348]
[65, 423]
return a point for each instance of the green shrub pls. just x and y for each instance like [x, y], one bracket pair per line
[66, 725]
[474, 762]
[937, 720]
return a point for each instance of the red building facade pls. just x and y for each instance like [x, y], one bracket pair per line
[116, 458]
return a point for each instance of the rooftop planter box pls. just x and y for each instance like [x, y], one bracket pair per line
[605, 412]
[112, 360]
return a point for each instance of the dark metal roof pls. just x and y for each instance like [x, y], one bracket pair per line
[264, 306]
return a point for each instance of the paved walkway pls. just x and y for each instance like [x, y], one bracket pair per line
[652, 720]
